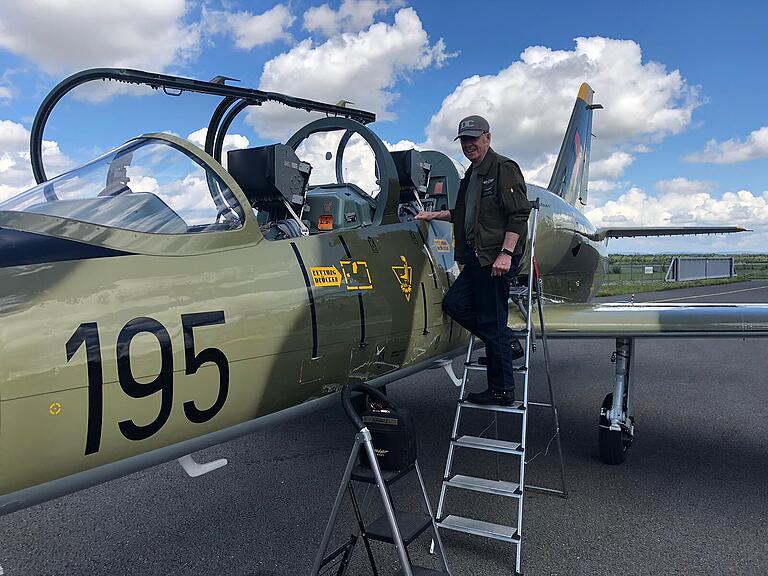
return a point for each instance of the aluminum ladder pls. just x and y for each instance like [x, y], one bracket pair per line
[515, 489]
[393, 527]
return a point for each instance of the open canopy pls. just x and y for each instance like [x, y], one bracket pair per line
[234, 100]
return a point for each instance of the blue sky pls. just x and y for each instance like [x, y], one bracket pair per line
[683, 138]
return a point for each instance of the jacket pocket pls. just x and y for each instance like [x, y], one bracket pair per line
[490, 236]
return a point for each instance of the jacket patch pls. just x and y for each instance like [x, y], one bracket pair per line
[488, 187]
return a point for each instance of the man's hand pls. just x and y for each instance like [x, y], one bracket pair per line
[502, 264]
[444, 215]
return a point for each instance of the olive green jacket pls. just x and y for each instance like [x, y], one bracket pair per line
[503, 207]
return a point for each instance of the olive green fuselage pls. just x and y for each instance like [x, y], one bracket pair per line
[107, 358]
[571, 261]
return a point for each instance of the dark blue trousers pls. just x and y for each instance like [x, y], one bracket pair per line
[479, 303]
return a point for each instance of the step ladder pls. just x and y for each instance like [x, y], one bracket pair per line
[393, 527]
[514, 489]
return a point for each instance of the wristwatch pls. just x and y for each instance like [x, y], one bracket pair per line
[507, 252]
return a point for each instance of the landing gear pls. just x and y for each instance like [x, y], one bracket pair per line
[617, 425]
[613, 444]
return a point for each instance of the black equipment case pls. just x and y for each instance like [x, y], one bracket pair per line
[393, 435]
[392, 431]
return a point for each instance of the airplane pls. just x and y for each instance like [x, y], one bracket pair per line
[154, 303]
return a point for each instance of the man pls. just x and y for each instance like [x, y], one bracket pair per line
[490, 225]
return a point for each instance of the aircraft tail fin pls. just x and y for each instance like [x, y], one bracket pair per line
[571, 174]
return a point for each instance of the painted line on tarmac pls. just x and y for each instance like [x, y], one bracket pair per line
[713, 294]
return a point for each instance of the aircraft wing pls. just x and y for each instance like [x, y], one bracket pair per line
[648, 320]
[634, 232]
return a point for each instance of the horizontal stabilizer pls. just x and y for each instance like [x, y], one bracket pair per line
[634, 232]
[650, 320]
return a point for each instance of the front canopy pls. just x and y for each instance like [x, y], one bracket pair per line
[147, 185]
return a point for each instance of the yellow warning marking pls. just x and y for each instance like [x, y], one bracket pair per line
[441, 245]
[323, 276]
[54, 409]
[356, 274]
[404, 276]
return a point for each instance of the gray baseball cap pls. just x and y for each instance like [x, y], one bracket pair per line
[473, 126]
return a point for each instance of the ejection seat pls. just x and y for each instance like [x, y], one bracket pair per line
[413, 174]
[275, 182]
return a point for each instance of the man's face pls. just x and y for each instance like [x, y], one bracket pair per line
[475, 148]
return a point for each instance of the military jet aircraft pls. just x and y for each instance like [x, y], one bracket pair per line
[153, 303]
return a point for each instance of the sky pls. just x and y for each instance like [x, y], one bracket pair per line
[682, 138]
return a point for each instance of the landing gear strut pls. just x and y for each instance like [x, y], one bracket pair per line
[617, 424]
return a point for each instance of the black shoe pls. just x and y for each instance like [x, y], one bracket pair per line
[489, 397]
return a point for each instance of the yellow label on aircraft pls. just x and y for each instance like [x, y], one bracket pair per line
[325, 276]
[404, 276]
[441, 245]
[54, 409]
[356, 274]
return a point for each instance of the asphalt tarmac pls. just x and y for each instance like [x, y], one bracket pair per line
[692, 497]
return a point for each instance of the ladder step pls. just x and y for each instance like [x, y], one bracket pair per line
[496, 487]
[522, 369]
[365, 474]
[518, 291]
[490, 444]
[516, 407]
[480, 528]
[419, 571]
[410, 526]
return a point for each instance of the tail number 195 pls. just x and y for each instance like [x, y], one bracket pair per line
[88, 333]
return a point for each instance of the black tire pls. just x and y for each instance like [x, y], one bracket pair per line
[613, 445]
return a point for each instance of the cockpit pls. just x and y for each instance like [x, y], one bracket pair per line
[278, 182]
[161, 184]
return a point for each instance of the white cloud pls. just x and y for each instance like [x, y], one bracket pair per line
[684, 186]
[231, 142]
[732, 151]
[358, 166]
[362, 68]
[681, 205]
[601, 185]
[251, 30]
[529, 102]
[611, 167]
[65, 35]
[5, 94]
[15, 171]
[538, 171]
[352, 15]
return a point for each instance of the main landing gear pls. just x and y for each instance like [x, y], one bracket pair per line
[617, 424]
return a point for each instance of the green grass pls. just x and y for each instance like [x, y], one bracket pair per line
[637, 287]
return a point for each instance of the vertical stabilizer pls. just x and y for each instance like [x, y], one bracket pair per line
[571, 174]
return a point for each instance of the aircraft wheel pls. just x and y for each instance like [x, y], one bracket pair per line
[613, 445]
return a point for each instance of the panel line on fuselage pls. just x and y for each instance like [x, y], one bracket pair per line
[429, 254]
[361, 304]
[310, 295]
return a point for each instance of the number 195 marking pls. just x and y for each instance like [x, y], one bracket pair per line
[88, 333]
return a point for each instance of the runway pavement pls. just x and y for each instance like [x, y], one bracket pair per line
[692, 497]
